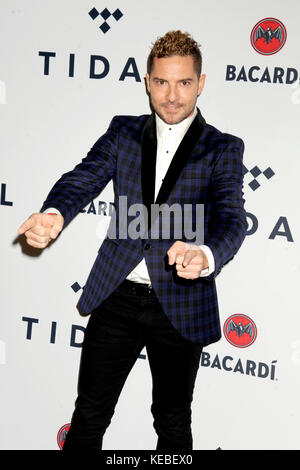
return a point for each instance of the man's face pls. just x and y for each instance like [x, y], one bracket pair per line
[174, 87]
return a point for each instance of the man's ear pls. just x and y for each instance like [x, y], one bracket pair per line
[148, 82]
[201, 84]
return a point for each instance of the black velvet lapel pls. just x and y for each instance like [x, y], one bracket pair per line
[149, 149]
[179, 160]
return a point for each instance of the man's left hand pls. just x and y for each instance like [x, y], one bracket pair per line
[190, 260]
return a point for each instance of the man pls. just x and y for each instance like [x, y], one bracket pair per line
[159, 293]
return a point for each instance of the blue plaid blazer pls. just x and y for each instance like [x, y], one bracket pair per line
[206, 169]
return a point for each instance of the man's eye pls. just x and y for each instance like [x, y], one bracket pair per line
[185, 82]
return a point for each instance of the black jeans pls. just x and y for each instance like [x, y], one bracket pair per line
[129, 319]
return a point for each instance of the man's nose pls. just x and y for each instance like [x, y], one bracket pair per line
[172, 93]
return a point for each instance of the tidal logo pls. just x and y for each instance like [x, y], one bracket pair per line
[74, 342]
[281, 228]
[105, 14]
[76, 287]
[256, 172]
[99, 66]
[76, 336]
[3, 200]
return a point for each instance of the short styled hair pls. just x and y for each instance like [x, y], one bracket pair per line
[176, 43]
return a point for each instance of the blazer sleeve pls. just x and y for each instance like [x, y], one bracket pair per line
[228, 224]
[76, 188]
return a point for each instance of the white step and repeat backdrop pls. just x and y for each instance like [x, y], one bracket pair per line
[65, 69]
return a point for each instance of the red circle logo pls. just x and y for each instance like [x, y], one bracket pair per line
[268, 36]
[62, 434]
[240, 330]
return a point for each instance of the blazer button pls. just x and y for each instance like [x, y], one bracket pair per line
[147, 246]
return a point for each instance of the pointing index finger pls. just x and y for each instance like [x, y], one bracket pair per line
[178, 248]
[28, 224]
[189, 255]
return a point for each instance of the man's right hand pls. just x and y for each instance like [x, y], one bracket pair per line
[40, 229]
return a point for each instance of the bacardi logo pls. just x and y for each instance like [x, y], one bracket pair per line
[240, 330]
[268, 36]
[62, 434]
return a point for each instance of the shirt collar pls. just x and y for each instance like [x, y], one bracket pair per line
[178, 130]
